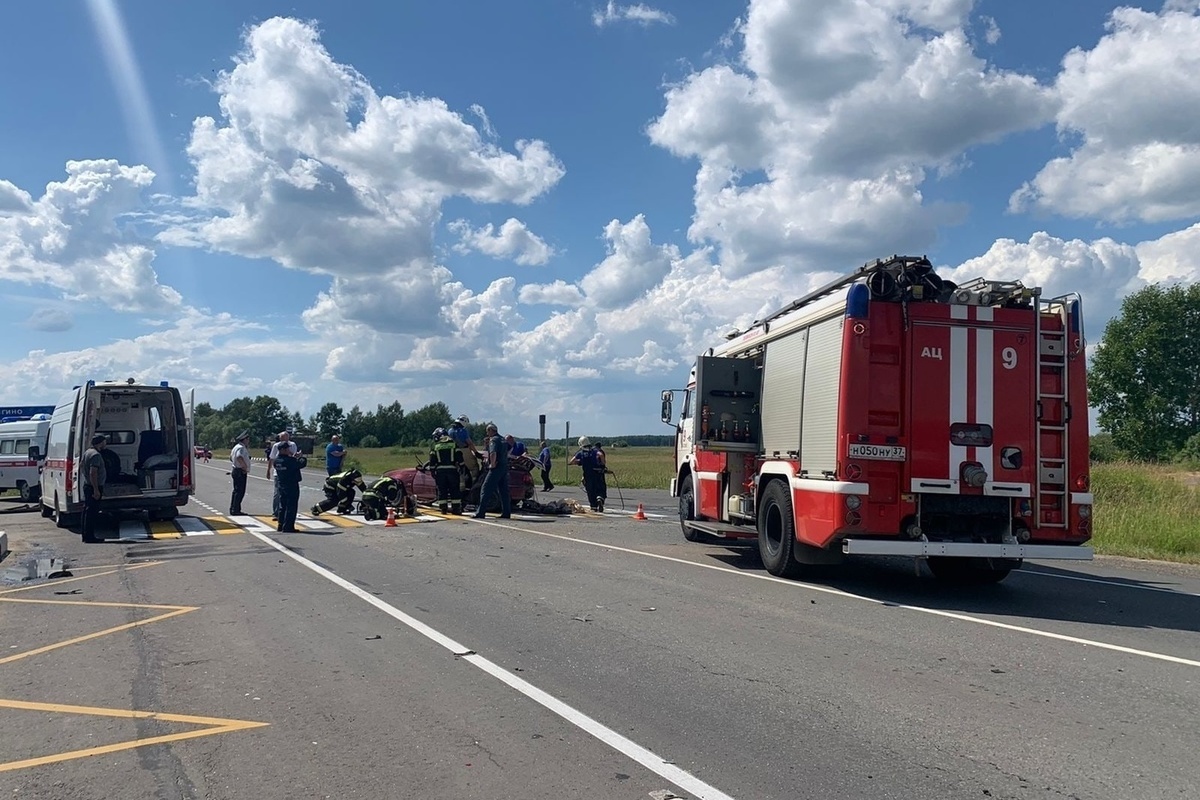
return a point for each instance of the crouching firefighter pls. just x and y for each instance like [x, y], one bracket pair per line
[339, 491]
[383, 494]
[446, 461]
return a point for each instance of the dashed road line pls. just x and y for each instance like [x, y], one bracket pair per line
[660, 766]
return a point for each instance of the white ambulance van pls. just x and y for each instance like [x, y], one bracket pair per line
[149, 459]
[18, 468]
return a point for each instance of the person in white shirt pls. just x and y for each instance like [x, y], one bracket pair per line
[239, 458]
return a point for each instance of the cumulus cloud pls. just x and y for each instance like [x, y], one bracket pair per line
[559, 293]
[814, 146]
[639, 13]
[183, 352]
[512, 241]
[309, 166]
[1131, 102]
[74, 238]
[51, 320]
[633, 266]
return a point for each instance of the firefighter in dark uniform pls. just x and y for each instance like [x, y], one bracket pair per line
[339, 491]
[446, 461]
[383, 494]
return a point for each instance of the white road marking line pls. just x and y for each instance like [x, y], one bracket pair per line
[629, 748]
[193, 526]
[312, 523]
[250, 524]
[839, 593]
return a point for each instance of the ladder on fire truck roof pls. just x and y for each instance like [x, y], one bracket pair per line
[1054, 408]
[879, 264]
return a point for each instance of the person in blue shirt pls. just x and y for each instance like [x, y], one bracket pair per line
[544, 460]
[516, 448]
[334, 453]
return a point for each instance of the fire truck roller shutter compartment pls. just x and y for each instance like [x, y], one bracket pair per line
[819, 419]
[783, 393]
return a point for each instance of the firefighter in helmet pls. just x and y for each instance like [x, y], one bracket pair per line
[446, 461]
[593, 473]
[466, 447]
[339, 491]
[383, 494]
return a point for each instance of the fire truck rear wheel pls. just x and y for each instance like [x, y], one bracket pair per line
[687, 511]
[971, 571]
[777, 532]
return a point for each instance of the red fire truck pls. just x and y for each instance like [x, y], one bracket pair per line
[891, 412]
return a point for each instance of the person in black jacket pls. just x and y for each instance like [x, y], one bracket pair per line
[288, 472]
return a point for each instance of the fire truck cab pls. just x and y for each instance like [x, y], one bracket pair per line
[891, 412]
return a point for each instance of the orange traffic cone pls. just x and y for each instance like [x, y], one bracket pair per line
[391, 520]
[640, 514]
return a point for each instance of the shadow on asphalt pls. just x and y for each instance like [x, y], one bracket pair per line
[1082, 597]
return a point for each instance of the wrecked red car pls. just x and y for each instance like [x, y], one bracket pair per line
[419, 482]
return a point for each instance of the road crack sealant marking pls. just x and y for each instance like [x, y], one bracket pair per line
[1062, 637]
[212, 725]
[655, 763]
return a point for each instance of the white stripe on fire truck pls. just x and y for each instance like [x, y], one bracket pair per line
[958, 392]
[985, 388]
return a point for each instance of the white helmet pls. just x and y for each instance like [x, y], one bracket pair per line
[463, 419]
[584, 441]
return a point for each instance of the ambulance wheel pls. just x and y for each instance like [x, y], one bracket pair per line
[777, 532]
[29, 494]
[61, 520]
[971, 571]
[687, 511]
[47, 511]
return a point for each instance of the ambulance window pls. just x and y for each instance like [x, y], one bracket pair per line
[6, 447]
[155, 419]
[22, 447]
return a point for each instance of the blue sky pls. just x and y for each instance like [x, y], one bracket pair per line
[551, 207]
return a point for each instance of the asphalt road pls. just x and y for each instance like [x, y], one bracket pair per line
[590, 657]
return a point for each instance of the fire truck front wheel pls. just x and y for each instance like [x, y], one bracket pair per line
[777, 532]
[687, 511]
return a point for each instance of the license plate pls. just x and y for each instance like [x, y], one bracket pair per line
[877, 452]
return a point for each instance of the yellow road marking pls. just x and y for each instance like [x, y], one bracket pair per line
[171, 535]
[221, 525]
[215, 725]
[162, 526]
[80, 578]
[39, 650]
[340, 521]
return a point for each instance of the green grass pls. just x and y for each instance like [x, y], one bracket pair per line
[1146, 511]
[1142, 511]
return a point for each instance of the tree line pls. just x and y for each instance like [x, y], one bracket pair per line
[387, 426]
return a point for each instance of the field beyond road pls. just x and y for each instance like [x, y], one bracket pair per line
[1142, 510]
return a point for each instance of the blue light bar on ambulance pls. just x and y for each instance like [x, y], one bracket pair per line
[162, 383]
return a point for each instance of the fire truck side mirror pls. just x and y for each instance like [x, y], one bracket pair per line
[667, 397]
